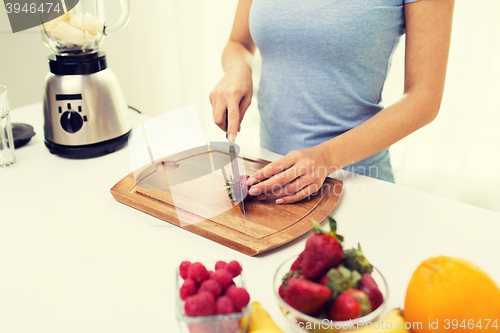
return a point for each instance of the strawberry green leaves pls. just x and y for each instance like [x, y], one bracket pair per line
[354, 259]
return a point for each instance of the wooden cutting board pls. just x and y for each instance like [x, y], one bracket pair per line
[188, 190]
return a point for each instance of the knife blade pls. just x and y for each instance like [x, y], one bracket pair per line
[236, 176]
[226, 182]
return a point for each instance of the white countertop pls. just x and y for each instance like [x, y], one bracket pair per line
[72, 259]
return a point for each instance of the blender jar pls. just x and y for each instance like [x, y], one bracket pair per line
[81, 29]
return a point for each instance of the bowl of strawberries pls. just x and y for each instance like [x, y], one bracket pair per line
[211, 297]
[327, 288]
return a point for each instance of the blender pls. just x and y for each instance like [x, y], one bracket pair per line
[85, 112]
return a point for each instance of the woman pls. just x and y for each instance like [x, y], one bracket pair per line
[324, 64]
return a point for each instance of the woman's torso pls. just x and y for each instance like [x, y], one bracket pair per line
[324, 63]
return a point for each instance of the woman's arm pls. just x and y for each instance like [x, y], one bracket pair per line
[234, 90]
[428, 33]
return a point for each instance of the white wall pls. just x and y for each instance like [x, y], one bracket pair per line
[457, 155]
[169, 56]
[23, 63]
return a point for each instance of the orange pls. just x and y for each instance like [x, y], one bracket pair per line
[455, 293]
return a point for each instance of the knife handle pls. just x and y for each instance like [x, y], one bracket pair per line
[226, 122]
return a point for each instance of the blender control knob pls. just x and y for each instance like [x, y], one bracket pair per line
[71, 121]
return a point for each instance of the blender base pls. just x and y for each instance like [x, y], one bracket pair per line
[88, 151]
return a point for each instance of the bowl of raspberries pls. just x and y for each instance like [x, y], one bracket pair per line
[329, 288]
[212, 297]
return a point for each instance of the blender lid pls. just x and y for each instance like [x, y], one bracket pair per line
[82, 64]
[22, 134]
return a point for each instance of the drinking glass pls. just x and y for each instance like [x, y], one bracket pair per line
[7, 157]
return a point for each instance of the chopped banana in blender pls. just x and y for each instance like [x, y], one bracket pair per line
[88, 22]
[49, 26]
[70, 34]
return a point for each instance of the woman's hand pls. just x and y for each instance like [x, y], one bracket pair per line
[233, 94]
[294, 177]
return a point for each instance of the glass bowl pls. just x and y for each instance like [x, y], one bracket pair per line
[301, 322]
[230, 323]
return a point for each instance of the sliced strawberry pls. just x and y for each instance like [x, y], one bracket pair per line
[232, 184]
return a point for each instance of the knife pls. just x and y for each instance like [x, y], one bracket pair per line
[236, 174]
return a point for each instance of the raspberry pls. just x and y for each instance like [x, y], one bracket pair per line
[231, 284]
[224, 305]
[202, 327]
[220, 265]
[183, 269]
[210, 272]
[201, 304]
[223, 277]
[197, 272]
[234, 268]
[211, 286]
[188, 288]
[231, 325]
[239, 296]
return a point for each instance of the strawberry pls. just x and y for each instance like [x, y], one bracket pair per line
[306, 296]
[370, 288]
[242, 181]
[350, 304]
[354, 259]
[231, 185]
[281, 291]
[340, 279]
[201, 304]
[297, 264]
[188, 288]
[323, 251]
[284, 281]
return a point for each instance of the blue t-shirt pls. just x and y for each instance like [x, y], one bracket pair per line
[324, 63]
